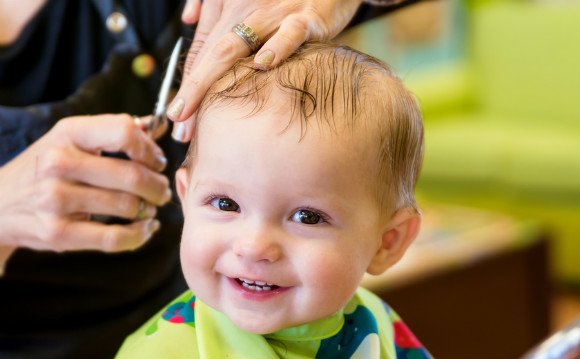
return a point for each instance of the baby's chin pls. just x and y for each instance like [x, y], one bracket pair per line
[268, 324]
[262, 326]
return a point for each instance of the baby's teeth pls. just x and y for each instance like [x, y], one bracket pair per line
[257, 288]
[256, 285]
[250, 287]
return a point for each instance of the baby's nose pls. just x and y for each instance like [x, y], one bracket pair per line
[258, 245]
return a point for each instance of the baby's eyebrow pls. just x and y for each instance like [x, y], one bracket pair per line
[198, 184]
[209, 183]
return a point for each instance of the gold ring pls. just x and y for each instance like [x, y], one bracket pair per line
[142, 210]
[248, 35]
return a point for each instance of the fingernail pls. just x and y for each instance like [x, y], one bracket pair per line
[264, 60]
[154, 226]
[168, 195]
[188, 9]
[161, 161]
[178, 132]
[175, 108]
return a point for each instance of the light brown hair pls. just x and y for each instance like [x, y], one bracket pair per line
[342, 88]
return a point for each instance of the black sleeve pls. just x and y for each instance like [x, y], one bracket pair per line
[115, 89]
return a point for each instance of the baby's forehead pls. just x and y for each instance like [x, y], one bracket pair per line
[279, 115]
[273, 134]
[278, 130]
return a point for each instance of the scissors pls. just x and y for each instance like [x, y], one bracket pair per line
[159, 118]
[150, 125]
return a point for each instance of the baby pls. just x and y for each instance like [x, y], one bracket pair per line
[298, 182]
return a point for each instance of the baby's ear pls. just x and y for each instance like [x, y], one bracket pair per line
[182, 184]
[398, 235]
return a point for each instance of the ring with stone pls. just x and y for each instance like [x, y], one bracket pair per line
[247, 34]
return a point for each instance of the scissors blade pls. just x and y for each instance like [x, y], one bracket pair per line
[162, 98]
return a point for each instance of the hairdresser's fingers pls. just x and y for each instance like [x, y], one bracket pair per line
[154, 130]
[210, 13]
[111, 133]
[322, 20]
[71, 199]
[160, 131]
[293, 32]
[118, 175]
[64, 235]
[261, 21]
[191, 11]
[74, 165]
[183, 131]
[212, 65]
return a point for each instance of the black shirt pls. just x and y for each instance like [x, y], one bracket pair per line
[66, 62]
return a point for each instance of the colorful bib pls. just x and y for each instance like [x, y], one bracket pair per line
[187, 328]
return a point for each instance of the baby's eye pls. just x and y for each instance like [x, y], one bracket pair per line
[307, 217]
[225, 204]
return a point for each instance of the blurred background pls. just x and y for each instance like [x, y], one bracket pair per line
[497, 266]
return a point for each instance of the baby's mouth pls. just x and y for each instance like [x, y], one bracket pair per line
[257, 286]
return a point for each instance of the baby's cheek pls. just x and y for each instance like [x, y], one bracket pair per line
[335, 281]
[189, 263]
[196, 251]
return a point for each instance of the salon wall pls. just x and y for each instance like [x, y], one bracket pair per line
[498, 82]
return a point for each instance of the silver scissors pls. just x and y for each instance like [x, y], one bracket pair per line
[150, 124]
[159, 117]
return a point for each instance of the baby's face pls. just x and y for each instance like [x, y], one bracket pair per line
[278, 231]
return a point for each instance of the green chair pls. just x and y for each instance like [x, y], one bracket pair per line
[503, 127]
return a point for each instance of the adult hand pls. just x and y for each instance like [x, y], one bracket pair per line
[281, 25]
[49, 190]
